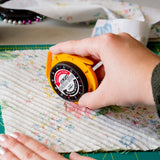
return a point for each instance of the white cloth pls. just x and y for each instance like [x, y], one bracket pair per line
[75, 11]
[81, 11]
[139, 30]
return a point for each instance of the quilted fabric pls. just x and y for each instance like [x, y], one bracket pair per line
[29, 106]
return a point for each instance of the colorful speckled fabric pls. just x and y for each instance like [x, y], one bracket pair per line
[30, 106]
[73, 11]
[89, 11]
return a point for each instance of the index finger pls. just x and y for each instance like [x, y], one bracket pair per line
[88, 47]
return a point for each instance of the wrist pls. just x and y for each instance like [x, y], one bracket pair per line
[147, 92]
[155, 81]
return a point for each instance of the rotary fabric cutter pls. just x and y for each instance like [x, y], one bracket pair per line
[70, 76]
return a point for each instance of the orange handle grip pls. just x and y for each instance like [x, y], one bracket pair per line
[48, 64]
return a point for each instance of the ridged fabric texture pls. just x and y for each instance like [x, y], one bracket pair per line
[29, 106]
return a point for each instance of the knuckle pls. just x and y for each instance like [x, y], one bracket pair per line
[42, 148]
[13, 143]
[23, 139]
[71, 45]
[124, 34]
[107, 42]
[109, 37]
[73, 42]
[29, 155]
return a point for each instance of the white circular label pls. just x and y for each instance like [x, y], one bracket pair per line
[66, 82]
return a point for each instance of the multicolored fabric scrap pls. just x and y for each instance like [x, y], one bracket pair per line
[29, 106]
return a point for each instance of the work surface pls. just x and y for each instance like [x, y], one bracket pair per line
[155, 46]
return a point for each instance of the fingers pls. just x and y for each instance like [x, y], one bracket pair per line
[85, 47]
[17, 149]
[24, 147]
[92, 46]
[6, 155]
[75, 156]
[92, 100]
[101, 97]
[37, 147]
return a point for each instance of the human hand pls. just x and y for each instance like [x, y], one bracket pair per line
[21, 147]
[126, 72]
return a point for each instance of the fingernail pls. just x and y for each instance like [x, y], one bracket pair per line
[2, 138]
[14, 135]
[2, 151]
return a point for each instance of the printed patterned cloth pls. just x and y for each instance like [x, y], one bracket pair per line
[30, 106]
[73, 11]
[139, 30]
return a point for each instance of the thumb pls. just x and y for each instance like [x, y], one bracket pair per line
[96, 99]
[75, 156]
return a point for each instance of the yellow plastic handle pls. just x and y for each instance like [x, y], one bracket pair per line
[48, 64]
[83, 63]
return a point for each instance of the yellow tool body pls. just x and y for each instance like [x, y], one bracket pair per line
[69, 75]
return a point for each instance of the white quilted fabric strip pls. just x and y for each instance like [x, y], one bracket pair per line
[29, 106]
